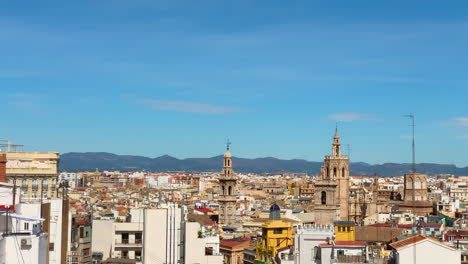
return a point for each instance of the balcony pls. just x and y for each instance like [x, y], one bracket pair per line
[128, 243]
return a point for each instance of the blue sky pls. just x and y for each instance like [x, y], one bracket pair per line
[179, 77]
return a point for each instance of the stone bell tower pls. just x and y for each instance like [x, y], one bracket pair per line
[332, 187]
[228, 197]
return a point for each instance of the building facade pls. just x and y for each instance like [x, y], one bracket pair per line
[35, 172]
[277, 235]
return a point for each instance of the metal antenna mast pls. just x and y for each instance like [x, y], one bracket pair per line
[414, 145]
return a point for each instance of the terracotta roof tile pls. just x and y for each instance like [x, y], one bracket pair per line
[406, 242]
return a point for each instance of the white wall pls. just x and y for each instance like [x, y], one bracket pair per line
[428, 252]
[102, 236]
[12, 252]
[161, 234]
[55, 232]
[306, 239]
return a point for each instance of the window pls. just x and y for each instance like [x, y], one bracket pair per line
[230, 190]
[125, 238]
[334, 172]
[348, 229]
[125, 254]
[138, 254]
[340, 252]
[138, 237]
[51, 246]
[26, 226]
[324, 197]
[277, 231]
[343, 173]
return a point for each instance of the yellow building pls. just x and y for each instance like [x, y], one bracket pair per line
[345, 230]
[276, 235]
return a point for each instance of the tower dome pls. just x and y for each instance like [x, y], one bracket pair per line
[275, 212]
[227, 154]
[275, 207]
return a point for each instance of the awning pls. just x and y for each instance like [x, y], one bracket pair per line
[24, 218]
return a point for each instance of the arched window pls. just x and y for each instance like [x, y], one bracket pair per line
[343, 172]
[409, 184]
[229, 162]
[230, 190]
[334, 172]
[417, 184]
[328, 172]
[223, 190]
[324, 197]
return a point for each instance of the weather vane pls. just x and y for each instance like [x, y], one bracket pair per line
[228, 144]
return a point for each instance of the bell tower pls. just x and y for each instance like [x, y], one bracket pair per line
[228, 196]
[332, 187]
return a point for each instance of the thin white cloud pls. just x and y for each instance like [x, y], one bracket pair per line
[351, 116]
[25, 102]
[190, 107]
[459, 121]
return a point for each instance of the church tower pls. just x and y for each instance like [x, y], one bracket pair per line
[228, 196]
[332, 187]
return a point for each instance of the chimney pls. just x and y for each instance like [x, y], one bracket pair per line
[3, 161]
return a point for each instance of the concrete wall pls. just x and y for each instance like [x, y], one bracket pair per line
[102, 237]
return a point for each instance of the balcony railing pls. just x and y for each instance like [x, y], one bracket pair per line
[128, 242]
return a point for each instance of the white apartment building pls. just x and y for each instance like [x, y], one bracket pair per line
[201, 247]
[459, 192]
[156, 236]
[113, 239]
[54, 227]
[19, 245]
[307, 239]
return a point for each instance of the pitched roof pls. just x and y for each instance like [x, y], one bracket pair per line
[416, 239]
[234, 242]
[406, 242]
[457, 233]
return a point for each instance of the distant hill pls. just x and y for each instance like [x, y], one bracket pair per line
[89, 161]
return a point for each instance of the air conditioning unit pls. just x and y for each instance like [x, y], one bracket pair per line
[26, 242]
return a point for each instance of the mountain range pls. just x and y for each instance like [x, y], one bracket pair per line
[89, 161]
